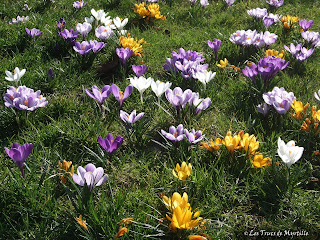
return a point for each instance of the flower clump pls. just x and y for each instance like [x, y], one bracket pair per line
[289, 21]
[252, 38]
[24, 98]
[65, 170]
[149, 12]
[133, 44]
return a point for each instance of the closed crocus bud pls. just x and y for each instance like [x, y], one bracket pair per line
[50, 73]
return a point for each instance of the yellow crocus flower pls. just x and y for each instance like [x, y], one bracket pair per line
[259, 161]
[212, 145]
[183, 172]
[272, 52]
[82, 222]
[176, 201]
[223, 64]
[299, 109]
[65, 169]
[184, 218]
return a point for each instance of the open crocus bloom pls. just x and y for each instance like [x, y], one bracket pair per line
[98, 14]
[159, 87]
[17, 74]
[132, 118]
[193, 136]
[82, 48]
[174, 134]
[33, 32]
[289, 153]
[98, 95]
[84, 28]
[119, 95]
[182, 172]
[90, 175]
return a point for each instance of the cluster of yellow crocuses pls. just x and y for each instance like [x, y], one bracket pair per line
[288, 21]
[242, 142]
[134, 44]
[149, 12]
[181, 213]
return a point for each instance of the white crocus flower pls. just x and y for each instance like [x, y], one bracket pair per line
[159, 87]
[205, 77]
[120, 24]
[107, 21]
[317, 95]
[89, 20]
[141, 84]
[84, 28]
[17, 74]
[289, 153]
[98, 15]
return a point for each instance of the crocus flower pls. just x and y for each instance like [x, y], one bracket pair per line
[33, 32]
[275, 3]
[205, 77]
[82, 222]
[201, 104]
[305, 25]
[251, 72]
[98, 14]
[159, 87]
[269, 38]
[280, 99]
[122, 231]
[97, 46]
[229, 2]
[103, 32]
[204, 3]
[50, 73]
[193, 136]
[17, 74]
[109, 144]
[61, 23]
[19, 19]
[132, 118]
[139, 70]
[89, 19]
[317, 95]
[268, 22]
[182, 172]
[174, 134]
[294, 50]
[289, 153]
[260, 161]
[99, 96]
[120, 24]
[141, 84]
[65, 170]
[263, 109]
[84, 28]
[304, 54]
[214, 45]
[258, 12]
[119, 95]
[90, 175]
[69, 35]
[124, 54]
[178, 98]
[19, 154]
[310, 36]
[83, 47]
[24, 98]
[79, 4]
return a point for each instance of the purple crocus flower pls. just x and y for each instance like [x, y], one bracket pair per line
[103, 32]
[269, 66]
[132, 118]
[98, 95]
[201, 104]
[280, 99]
[79, 4]
[50, 73]
[69, 35]
[229, 2]
[294, 50]
[263, 109]
[119, 95]
[175, 134]
[269, 38]
[109, 144]
[61, 23]
[251, 72]
[33, 32]
[90, 175]
[305, 25]
[19, 154]
[178, 98]
[258, 12]
[268, 22]
[24, 98]
[84, 28]
[139, 70]
[193, 136]
[304, 54]
[82, 48]
[215, 45]
[275, 3]
[124, 54]
[97, 46]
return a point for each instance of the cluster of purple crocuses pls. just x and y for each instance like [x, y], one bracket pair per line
[262, 13]
[179, 99]
[101, 96]
[275, 3]
[311, 37]
[188, 62]
[85, 47]
[252, 38]
[24, 98]
[267, 68]
[299, 52]
[279, 98]
[178, 134]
